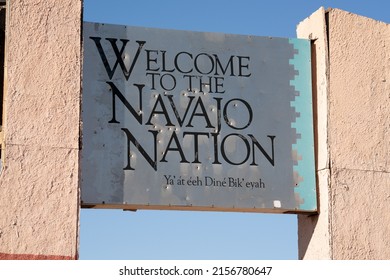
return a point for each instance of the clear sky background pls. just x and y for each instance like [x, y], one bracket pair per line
[147, 234]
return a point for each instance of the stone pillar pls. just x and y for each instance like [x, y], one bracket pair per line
[351, 70]
[39, 181]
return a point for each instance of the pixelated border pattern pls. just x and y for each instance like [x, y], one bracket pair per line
[303, 148]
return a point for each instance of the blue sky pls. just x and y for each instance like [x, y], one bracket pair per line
[146, 234]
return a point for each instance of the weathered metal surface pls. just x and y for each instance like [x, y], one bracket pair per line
[201, 121]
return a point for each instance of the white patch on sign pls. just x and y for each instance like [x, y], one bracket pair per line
[277, 204]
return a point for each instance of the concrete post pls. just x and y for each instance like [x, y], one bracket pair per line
[39, 181]
[351, 59]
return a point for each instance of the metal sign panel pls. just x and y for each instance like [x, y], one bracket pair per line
[198, 121]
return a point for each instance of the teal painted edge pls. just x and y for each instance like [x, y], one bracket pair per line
[303, 149]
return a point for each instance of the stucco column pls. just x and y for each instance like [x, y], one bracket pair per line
[39, 181]
[351, 70]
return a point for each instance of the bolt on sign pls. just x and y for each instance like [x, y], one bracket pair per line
[196, 121]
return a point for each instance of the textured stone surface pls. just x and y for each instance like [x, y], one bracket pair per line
[39, 191]
[359, 125]
[355, 204]
[43, 73]
[359, 51]
[360, 214]
[42, 210]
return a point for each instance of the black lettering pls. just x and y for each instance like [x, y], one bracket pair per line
[242, 67]
[225, 115]
[215, 145]
[218, 113]
[224, 70]
[177, 149]
[203, 114]
[164, 69]
[119, 56]
[148, 60]
[197, 64]
[219, 85]
[189, 81]
[162, 112]
[164, 84]
[196, 143]
[115, 92]
[223, 152]
[178, 118]
[153, 80]
[177, 63]
[131, 138]
[271, 158]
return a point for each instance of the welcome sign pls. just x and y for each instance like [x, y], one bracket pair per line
[197, 121]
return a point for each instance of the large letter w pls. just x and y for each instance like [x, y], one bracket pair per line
[118, 54]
